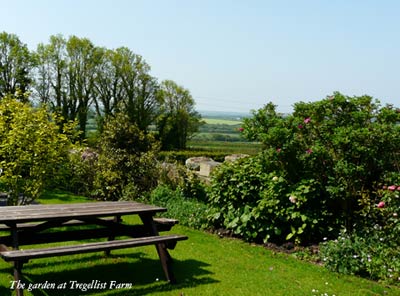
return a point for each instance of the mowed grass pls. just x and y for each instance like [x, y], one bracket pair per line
[203, 265]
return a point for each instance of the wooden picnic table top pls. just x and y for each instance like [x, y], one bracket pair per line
[51, 212]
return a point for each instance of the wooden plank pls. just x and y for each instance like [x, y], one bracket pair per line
[22, 214]
[22, 255]
[74, 206]
[167, 221]
[29, 235]
[30, 238]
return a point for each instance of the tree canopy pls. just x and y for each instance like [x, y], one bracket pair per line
[178, 119]
[16, 64]
[74, 77]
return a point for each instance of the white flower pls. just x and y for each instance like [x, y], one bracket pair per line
[275, 179]
[293, 199]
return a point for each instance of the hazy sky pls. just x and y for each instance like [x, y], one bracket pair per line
[236, 55]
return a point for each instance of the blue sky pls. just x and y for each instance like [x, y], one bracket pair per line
[236, 55]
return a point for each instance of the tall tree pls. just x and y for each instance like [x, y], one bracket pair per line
[83, 59]
[178, 119]
[16, 63]
[52, 76]
[108, 85]
[123, 84]
[65, 76]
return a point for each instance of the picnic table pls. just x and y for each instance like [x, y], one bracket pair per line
[30, 225]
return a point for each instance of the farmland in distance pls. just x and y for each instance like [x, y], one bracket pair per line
[221, 133]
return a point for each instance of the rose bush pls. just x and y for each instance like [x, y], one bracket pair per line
[332, 156]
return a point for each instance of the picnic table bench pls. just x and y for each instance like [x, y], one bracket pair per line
[40, 224]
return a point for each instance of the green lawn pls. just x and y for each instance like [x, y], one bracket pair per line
[204, 265]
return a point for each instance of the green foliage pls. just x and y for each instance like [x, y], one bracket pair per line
[178, 120]
[126, 165]
[371, 255]
[123, 84]
[177, 176]
[79, 172]
[372, 249]
[189, 212]
[66, 75]
[260, 205]
[32, 151]
[328, 155]
[16, 63]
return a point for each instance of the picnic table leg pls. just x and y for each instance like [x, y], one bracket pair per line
[162, 251]
[17, 277]
[17, 264]
[117, 219]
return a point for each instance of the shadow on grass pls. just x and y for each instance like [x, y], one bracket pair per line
[144, 275]
[5, 291]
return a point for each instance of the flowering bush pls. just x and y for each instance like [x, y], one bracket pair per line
[372, 248]
[370, 254]
[333, 157]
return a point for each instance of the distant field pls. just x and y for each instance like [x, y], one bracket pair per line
[232, 134]
[222, 121]
[228, 147]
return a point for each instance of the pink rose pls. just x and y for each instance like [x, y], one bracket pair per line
[300, 126]
[392, 187]
[307, 120]
[381, 204]
[241, 129]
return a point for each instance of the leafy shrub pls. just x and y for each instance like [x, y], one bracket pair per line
[126, 165]
[175, 175]
[189, 212]
[260, 205]
[365, 255]
[79, 172]
[330, 158]
[33, 152]
[372, 248]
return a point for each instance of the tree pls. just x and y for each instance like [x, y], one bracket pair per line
[83, 59]
[178, 120]
[15, 65]
[31, 150]
[123, 84]
[108, 85]
[65, 76]
[52, 77]
[126, 165]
